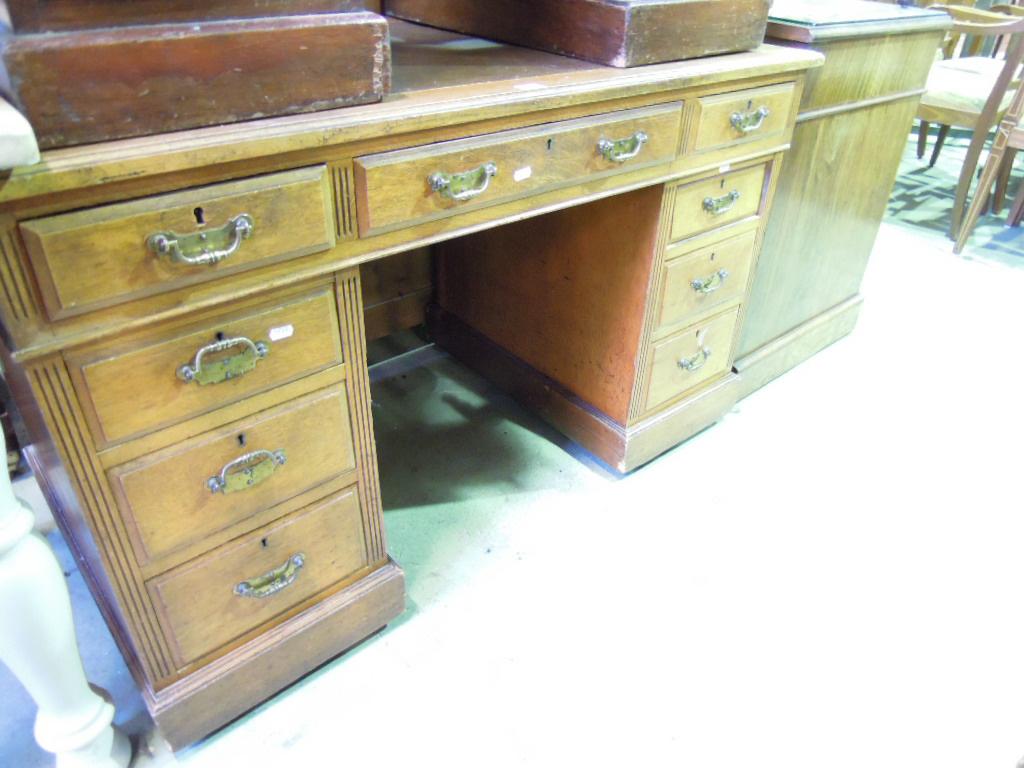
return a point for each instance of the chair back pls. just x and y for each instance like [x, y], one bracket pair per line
[972, 26]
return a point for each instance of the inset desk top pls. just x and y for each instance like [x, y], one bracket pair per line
[439, 79]
[811, 20]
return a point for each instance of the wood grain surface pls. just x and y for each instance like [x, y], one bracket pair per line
[621, 33]
[57, 15]
[86, 86]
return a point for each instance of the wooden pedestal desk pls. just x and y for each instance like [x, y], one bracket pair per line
[184, 325]
[855, 115]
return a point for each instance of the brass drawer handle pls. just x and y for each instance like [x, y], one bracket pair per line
[697, 362]
[202, 249]
[230, 367]
[624, 149]
[463, 186]
[748, 122]
[710, 284]
[716, 206]
[253, 468]
[274, 581]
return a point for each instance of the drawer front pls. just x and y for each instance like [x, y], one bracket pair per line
[717, 201]
[103, 256]
[145, 384]
[689, 358]
[181, 496]
[701, 279]
[241, 586]
[750, 115]
[415, 185]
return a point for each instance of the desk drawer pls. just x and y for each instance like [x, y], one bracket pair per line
[689, 358]
[750, 115]
[411, 186]
[103, 256]
[717, 201]
[208, 602]
[182, 496]
[180, 372]
[704, 278]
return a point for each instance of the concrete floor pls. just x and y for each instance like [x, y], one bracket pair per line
[830, 576]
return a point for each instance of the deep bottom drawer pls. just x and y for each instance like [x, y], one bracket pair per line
[206, 603]
[689, 358]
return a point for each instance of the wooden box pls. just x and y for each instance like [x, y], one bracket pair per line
[61, 15]
[622, 33]
[82, 86]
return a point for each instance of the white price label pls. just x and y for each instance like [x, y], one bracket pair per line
[523, 174]
[281, 332]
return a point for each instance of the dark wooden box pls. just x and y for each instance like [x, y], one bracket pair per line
[61, 15]
[622, 33]
[91, 85]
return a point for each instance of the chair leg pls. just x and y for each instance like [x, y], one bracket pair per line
[988, 176]
[1017, 209]
[939, 141]
[1003, 181]
[922, 138]
[966, 177]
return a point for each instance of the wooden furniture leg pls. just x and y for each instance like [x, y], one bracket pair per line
[37, 642]
[922, 138]
[939, 141]
[1003, 181]
[963, 186]
[1017, 210]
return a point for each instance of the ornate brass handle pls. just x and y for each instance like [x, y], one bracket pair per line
[230, 367]
[747, 122]
[463, 186]
[711, 283]
[256, 467]
[716, 206]
[203, 248]
[274, 581]
[696, 362]
[624, 149]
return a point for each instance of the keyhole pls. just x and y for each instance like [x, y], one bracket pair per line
[263, 543]
[713, 256]
[241, 439]
[722, 184]
[198, 213]
[750, 104]
[551, 144]
[220, 336]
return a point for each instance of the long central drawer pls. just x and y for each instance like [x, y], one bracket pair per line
[414, 185]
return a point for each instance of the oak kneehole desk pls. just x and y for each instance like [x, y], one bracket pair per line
[184, 325]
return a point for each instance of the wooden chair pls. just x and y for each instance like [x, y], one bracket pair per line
[1009, 138]
[970, 91]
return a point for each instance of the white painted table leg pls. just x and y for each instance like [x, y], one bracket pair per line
[37, 642]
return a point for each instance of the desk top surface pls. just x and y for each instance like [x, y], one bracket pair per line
[814, 20]
[439, 79]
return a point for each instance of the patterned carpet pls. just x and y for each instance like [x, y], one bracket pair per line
[923, 198]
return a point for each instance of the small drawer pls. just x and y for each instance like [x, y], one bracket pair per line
[208, 602]
[717, 201]
[103, 256]
[181, 497]
[705, 278]
[750, 115]
[410, 186]
[175, 374]
[689, 358]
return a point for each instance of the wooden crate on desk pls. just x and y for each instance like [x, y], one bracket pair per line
[622, 33]
[83, 86]
[60, 15]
